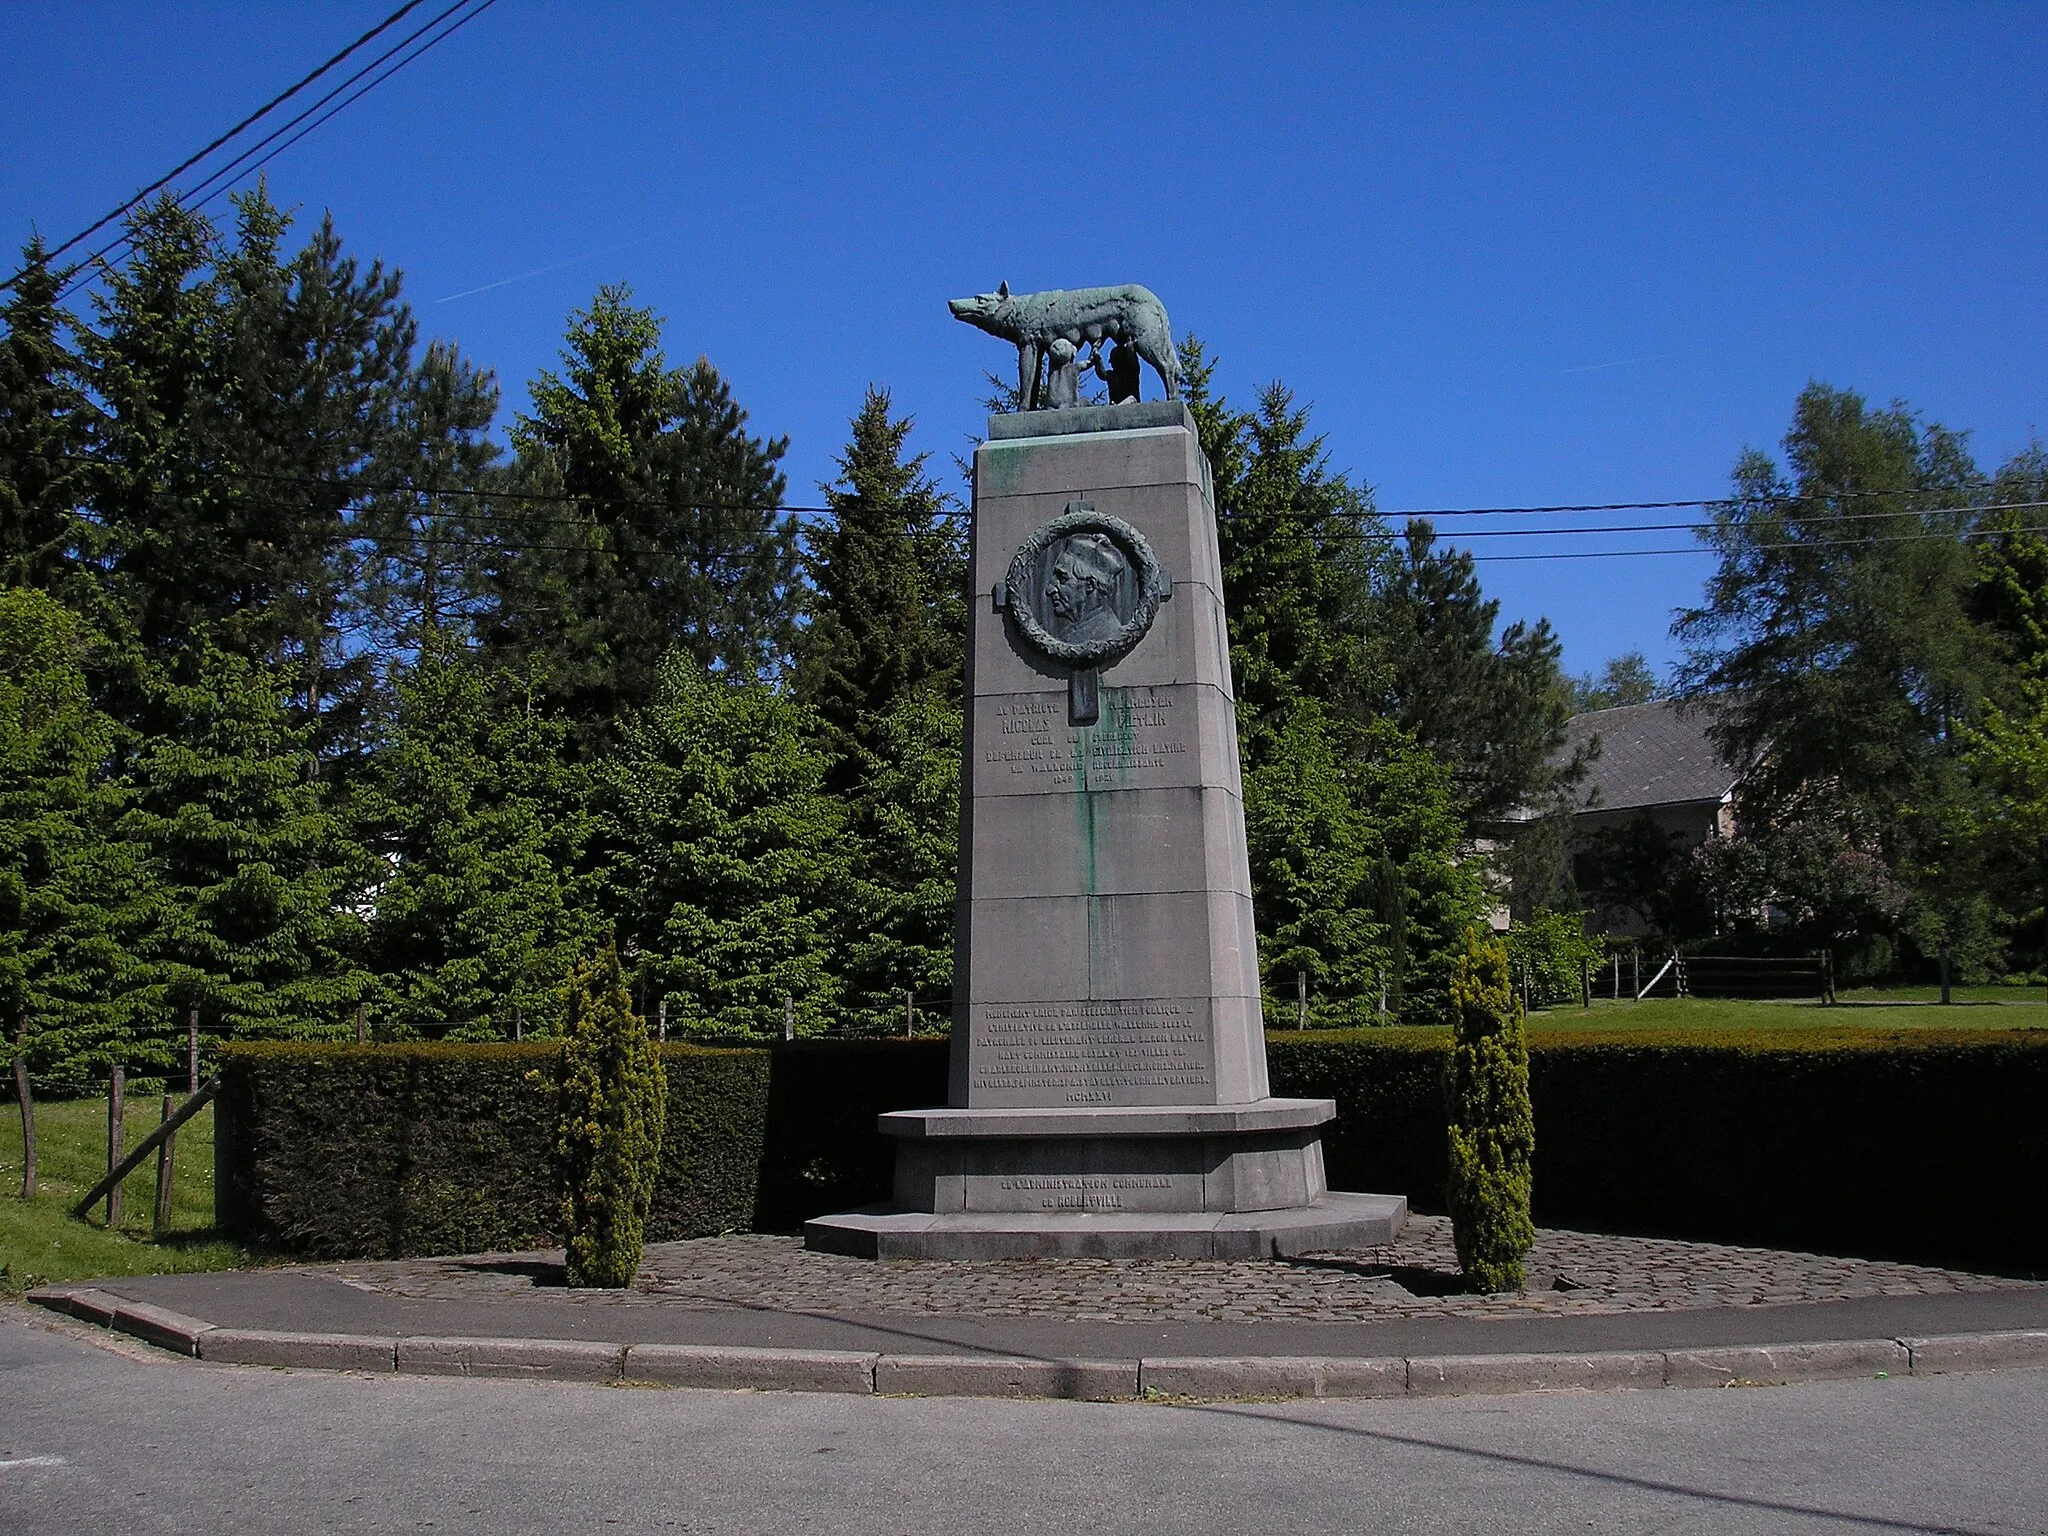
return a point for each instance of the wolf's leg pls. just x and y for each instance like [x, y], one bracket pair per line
[1027, 375]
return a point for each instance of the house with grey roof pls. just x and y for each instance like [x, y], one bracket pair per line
[1652, 760]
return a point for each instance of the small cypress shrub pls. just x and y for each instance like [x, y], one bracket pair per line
[1492, 1129]
[612, 1100]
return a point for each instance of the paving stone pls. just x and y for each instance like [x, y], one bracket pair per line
[1835, 1360]
[1457, 1375]
[1413, 1277]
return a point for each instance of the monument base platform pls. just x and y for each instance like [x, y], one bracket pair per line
[1333, 1221]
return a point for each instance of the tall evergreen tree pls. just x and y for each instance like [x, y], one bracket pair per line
[723, 861]
[888, 581]
[482, 820]
[895, 928]
[1494, 710]
[44, 424]
[646, 521]
[1836, 636]
[69, 887]
[255, 885]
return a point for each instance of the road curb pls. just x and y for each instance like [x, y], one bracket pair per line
[729, 1367]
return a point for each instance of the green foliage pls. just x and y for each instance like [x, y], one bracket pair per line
[42, 1243]
[1836, 639]
[1551, 952]
[68, 887]
[1356, 864]
[1492, 1136]
[1625, 679]
[390, 1151]
[608, 1137]
[896, 932]
[482, 818]
[722, 858]
[386, 1151]
[44, 418]
[251, 905]
[888, 586]
[646, 523]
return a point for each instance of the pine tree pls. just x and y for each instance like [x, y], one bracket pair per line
[896, 931]
[44, 424]
[613, 1101]
[722, 860]
[1492, 1129]
[888, 577]
[661, 532]
[482, 819]
[255, 885]
[68, 885]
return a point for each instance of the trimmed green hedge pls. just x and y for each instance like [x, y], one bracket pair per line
[375, 1151]
[1916, 1144]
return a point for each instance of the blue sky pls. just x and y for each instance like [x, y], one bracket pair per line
[1513, 256]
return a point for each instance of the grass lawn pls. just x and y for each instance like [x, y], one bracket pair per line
[1857, 1010]
[41, 1241]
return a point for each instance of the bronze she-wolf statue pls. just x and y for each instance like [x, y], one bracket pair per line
[1129, 315]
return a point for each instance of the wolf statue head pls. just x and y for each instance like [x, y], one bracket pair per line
[991, 312]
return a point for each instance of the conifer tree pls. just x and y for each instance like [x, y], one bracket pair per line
[888, 578]
[255, 885]
[482, 819]
[647, 521]
[69, 887]
[895, 932]
[1492, 1129]
[613, 1103]
[722, 860]
[44, 424]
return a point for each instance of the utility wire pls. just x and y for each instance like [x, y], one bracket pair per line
[261, 112]
[199, 196]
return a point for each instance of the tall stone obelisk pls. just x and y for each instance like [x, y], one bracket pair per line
[1108, 1089]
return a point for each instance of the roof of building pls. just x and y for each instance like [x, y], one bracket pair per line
[1650, 754]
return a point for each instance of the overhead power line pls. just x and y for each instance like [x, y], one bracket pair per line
[243, 164]
[235, 132]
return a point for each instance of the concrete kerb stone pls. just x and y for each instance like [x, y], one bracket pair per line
[1977, 1352]
[299, 1351]
[1272, 1376]
[792, 1370]
[160, 1326]
[1463, 1375]
[79, 1301]
[529, 1359]
[1781, 1364]
[759, 1370]
[987, 1376]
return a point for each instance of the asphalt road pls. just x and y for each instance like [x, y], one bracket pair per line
[117, 1439]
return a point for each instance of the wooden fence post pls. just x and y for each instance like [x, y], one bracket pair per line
[116, 1092]
[1301, 999]
[166, 1152]
[24, 1091]
[909, 1016]
[1585, 983]
[519, 1024]
[788, 1017]
[362, 1024]
[661, 1027]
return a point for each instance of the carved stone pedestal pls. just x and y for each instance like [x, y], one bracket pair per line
[1108, 1090]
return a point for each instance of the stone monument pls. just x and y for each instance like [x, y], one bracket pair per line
[1108, 1091]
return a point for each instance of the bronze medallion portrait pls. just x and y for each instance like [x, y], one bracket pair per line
[1083, 590]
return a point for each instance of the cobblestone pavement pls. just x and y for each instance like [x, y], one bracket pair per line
[1416, 1276]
